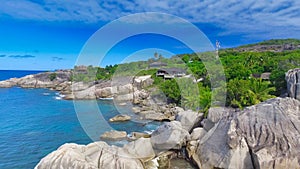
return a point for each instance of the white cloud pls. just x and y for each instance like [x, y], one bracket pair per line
[231, 15]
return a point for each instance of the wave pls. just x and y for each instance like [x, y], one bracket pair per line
[61, 95]
[57, 98]
[149, 132]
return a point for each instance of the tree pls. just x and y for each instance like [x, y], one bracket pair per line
[189, 93]
[171, 90]
[241, 93]
[160, 57]
[260, 90]
[156, 55]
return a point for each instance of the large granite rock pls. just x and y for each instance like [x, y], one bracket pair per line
[292, 78]
[140, 149]
[189, 119]
[141, 82]
[86, 94]
[197, 133]
[263, 136]
[124, 97]
[105, 92]
[168, 136]
[78, 86]
[97, 155]
[156, 117]
[124, 89]
[215, 114]
[139, 96]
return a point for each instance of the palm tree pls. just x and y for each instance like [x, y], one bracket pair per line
[260, 90]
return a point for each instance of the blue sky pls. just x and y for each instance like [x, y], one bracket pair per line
[49, 34]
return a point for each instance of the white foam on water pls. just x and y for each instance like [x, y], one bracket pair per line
[149, 132]
[57, 98]
[109, 98]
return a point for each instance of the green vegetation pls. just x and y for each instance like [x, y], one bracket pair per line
[52, 76]
[243, 86]
[239, 67]
[90, 73]
[275, 42]
[241, 93]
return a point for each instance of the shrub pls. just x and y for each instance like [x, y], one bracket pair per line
[52, 76]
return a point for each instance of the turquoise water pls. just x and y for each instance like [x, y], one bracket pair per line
[34, 123]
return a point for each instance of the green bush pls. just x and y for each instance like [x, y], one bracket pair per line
[52, 76]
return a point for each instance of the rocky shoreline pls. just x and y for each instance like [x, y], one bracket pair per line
[266, 135]
[261, 136]
[120, 88]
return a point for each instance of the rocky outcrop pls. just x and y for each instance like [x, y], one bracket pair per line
[263, 136]
[78, 86]
[189, 119]
[168, 136]
[9, 83]
[151, 111]
[215, 114]
[41, 80]
[120, 88]
[137, 154]
[99, 155]
[141, 82]
[105, 92]
[196, 135]
[120, 118]
[137, 135]
[114, 135]
[272, 48]
[292, 78]
[140, 149]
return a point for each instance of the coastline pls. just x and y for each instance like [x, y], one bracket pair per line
[190, 132]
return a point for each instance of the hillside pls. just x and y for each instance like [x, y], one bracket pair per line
[251, 76]
[275, 45]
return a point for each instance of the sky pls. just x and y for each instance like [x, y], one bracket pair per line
[52, 34]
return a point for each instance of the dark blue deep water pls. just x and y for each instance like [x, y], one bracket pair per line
[6, 74]
[35, 122]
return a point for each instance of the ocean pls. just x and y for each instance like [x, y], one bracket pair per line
[35, 122]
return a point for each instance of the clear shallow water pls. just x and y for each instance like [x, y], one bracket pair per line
[34, 123]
